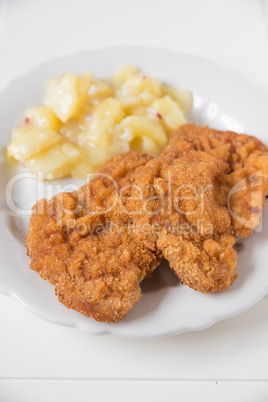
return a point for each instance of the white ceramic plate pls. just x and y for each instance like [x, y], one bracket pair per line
[222, 101]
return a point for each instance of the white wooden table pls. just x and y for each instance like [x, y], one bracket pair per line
[40, 361]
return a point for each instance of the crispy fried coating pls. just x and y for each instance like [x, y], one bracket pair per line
[243, 190]
[213, 184]
[176, 211]
[82, 245]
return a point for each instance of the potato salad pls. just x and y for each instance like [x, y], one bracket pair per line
[83, 122]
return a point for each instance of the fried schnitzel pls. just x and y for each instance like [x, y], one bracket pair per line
[243, 190]
[87, 253]
[213, 185]
[183, 219]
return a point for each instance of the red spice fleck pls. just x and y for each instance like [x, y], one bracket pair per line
[27, 120]
[159, 115]
[144, 77]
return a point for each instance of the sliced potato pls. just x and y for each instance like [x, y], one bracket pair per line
[19, 131]
[170, 111]
[81, 169]
[99, 89]
[150, 147]
[66, 95]
[129, 103]
[56, 162]
[139, 127]
[182, 96]
[125, 72]
[31, 142]
[42, 116]
[147, 98]
[99, 129]
[137, 84]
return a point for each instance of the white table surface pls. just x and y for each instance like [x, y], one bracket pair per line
[40, 361]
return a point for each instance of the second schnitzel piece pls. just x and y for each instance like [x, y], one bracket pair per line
[212, 185]
[243, 190]
[175, 209]
[80, 242]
